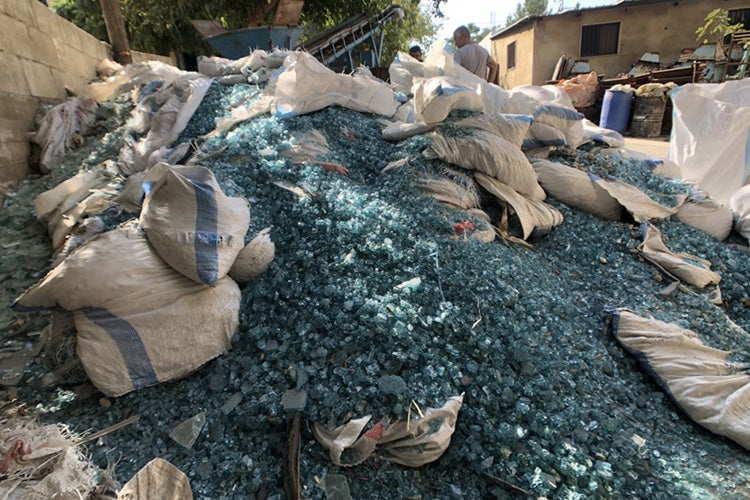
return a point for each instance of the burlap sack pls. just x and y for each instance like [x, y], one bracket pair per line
[254, 259]
[576, 188]
[708, 216]
[536, 217]
[684, 266]
[192, 224]
[512, 128]
[712, 390]
[139, 322]
[491, 155]
[157, 479]
[416, 441]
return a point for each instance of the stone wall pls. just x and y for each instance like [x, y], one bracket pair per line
[41, 54]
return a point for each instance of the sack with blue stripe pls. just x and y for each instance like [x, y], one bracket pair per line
[192, 224]
[138, 321]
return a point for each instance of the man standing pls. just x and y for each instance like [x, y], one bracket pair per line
[473, 57]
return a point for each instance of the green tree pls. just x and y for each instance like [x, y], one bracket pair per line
[717, 25]
[527, 8]
[159, 26]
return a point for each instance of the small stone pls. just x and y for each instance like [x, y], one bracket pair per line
[391, 384]
[216, 383]
[204, 469]
[604, 469]
[294, 400]
[105, 402]
[231, 403]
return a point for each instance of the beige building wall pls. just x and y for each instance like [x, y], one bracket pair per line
[522, 72]
[663, 27]
[40, 53]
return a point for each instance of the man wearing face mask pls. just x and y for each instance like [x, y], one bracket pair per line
[472, 56]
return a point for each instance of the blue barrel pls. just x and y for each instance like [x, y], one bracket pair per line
[616, 110]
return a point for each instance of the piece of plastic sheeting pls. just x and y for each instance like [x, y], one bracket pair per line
[711, 134]
[434, 98]
[594, 132]
[220, 66]
[686, 267]
[402, 71]
[132, 76]
[582, 89]
[705, 384]
[577, 189]
[536, 217]
[740, 203]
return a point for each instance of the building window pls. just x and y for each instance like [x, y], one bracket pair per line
[511, 55]
[740, 16]
[600, 39]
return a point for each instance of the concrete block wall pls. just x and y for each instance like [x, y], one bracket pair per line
[41, 54]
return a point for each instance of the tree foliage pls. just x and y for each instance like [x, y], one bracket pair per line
[527, 8]
[160, 26]
[717, 25]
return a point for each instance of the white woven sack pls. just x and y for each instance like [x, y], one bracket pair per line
[512, 128]
[139, 321]
[536, 217]
[577, 189]
[192, 224]
[708, 216]
[713, 390]
[491, 155]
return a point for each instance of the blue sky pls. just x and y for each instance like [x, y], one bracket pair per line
[491, 13]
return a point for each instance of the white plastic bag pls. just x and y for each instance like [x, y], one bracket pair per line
[710, 135]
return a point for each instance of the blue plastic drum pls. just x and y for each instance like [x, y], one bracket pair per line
[616, 110]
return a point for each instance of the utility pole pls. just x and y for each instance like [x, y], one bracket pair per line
[118, 37]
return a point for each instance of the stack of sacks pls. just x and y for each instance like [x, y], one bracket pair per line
[152, 301]
[493, 151]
